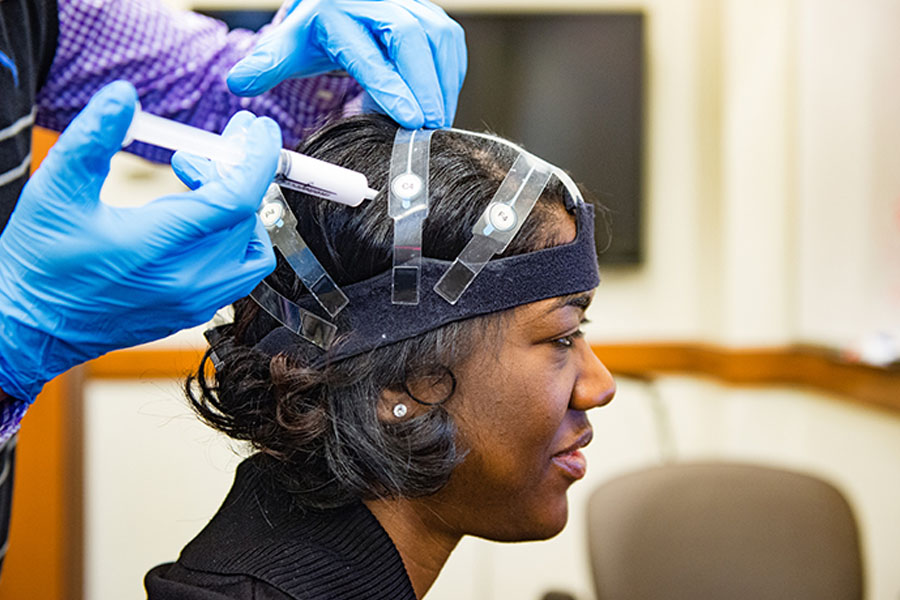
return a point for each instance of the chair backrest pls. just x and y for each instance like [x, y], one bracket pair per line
[708, 531]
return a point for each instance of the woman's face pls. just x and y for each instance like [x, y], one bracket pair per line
[521, 409]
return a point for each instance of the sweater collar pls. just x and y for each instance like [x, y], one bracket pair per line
[335, 554]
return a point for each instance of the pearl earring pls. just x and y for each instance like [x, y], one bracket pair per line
[400, 410]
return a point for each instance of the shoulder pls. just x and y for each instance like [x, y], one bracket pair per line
[173, 581]
[260, 536]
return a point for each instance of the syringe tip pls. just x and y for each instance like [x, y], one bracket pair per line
[370, 194]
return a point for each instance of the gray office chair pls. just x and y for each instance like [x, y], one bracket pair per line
[710, 531]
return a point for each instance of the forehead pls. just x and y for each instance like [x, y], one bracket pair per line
[553, 308]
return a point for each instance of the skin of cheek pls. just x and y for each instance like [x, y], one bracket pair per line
[512, 413]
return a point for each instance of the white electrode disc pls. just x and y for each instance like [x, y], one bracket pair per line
[407, 186]
[502, 216]
[271, 213]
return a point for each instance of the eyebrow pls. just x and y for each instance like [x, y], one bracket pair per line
[580, 300]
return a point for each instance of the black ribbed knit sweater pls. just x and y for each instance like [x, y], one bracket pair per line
[28, 31]
[262, 546]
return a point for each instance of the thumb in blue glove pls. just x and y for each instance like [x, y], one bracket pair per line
[79, 277]
[408, 55]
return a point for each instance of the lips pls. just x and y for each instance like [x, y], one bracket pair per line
[570, 460]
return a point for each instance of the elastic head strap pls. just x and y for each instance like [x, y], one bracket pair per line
[373, 321]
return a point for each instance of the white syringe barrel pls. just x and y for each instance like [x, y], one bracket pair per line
[295, 171]
[319, 178]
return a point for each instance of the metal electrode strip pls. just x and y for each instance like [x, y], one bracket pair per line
[498, 225]
[299, 320]
[408, 207]
[281, 224]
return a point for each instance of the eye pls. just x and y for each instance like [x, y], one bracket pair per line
[567, 341]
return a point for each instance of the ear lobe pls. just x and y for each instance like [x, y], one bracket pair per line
[395, 405]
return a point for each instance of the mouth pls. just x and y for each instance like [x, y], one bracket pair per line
[570, 460]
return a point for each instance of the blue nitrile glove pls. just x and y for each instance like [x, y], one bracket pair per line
[79, 278]
[408, 55]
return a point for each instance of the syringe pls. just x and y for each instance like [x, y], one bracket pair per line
[295, 171]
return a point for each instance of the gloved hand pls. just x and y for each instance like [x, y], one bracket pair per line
[408, 55]
[79, 278]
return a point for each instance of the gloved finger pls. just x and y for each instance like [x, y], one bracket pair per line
[192, 170]
[230, 196]
[419, 43]
[195, 171]
[259, 248]
[410, 50]
[451, 87]
[261, 142]
[216, 270]
[238, 123]
[80, 158]
[258, 262]
[278, 56]
[362, 57]
[454, 35]
[448, 48]
[369, 105]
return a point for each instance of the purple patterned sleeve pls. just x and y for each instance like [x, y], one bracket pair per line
[11, 412]
[177, 61]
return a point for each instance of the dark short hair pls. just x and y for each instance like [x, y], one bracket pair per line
[320, 423]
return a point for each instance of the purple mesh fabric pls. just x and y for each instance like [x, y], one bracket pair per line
[177, 61]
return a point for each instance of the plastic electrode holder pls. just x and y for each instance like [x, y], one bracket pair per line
[498, 225]
[408, 207]
[307, 325]
[281, 224]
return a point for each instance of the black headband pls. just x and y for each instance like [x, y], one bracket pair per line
[371, 320]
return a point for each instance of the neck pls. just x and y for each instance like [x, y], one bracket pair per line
[423, 546]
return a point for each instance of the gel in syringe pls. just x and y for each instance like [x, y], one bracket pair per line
[295, 171]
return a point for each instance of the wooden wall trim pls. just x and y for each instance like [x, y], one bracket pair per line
[145, 364]
[792, 365]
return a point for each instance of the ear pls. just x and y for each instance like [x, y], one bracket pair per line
[389, 411]
[416, 396]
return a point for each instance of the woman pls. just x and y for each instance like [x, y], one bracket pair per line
[420, 422]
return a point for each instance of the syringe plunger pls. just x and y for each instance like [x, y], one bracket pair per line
[295, 171]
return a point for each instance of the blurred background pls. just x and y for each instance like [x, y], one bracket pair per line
[750, 304]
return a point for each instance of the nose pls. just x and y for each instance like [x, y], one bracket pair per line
[595, 385]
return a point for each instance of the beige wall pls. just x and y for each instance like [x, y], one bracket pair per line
[772, 189]
[155, 476]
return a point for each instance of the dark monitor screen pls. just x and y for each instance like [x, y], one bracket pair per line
[569, 87]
